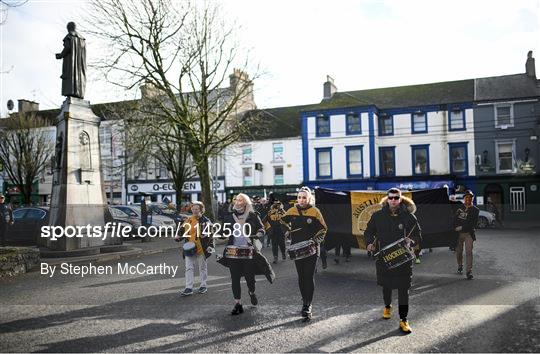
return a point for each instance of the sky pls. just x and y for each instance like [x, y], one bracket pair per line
[361, 44]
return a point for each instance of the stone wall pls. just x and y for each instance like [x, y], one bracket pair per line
[17, 260]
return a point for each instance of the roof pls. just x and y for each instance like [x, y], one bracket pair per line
[404, 96]
[277, 123]
[506, 87]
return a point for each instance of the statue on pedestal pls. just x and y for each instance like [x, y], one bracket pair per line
[74, 63]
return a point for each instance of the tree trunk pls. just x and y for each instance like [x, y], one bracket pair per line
[206, 187]
[178, 200]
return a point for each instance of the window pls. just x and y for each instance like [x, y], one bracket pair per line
[458, 158]
[278, 151]
[386, 125]
[278, 175]
[419, 123]
[246, 154]
[504, 150]
[35, 214]
[387, 158]
[247, 176]
[354, 125]
[324, 162]
[323, 125]
[504, 116]
[420, 159]
[517, 199]
[457, 119]
[354, 161]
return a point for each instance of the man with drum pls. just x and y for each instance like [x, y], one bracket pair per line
[307, 230]
[199, 245]
[394, 222]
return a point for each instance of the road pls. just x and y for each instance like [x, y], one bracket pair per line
[498, 311]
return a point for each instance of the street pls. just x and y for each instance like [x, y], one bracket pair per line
[498, 311]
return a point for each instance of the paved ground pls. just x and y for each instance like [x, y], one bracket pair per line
[499, 311]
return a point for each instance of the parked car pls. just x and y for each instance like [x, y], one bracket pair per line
[132, 215]
[26, 228]
[164, 210]
[28, 221]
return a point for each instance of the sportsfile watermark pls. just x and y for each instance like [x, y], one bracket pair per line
[120, 230]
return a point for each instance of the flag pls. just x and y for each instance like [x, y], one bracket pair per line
[347, 213]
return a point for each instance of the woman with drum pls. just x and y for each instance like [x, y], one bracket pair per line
[244, 228]
[391, 231]
[307, 229]
[198, 247]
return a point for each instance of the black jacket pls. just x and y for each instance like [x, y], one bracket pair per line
[467, 218]
[383, 229]
[253, 219]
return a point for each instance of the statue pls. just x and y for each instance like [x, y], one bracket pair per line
[74, 63]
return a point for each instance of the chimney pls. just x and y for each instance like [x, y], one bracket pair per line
[238, 76]
[28, 106]
[529, 65]
[329, 88]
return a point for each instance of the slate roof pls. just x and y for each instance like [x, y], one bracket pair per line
[506, 87]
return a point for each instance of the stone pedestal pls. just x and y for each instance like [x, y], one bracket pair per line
[78, 198]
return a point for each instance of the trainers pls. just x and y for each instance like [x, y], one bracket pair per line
[237, 309]
[283, 257]
[460, 269]
[187, 292]
[417, 261]
[387, 313]
[469, 275]
[306, 311]
[404, 326]
[336, 260]
[275, 260]
[347, 259]
[203, 290]
[254, 300]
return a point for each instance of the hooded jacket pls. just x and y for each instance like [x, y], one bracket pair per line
[385, 228]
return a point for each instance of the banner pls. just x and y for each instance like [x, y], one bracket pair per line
[347, 213]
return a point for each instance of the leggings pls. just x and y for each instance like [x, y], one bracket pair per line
[306, 271]
[238, 267]
[403, 301]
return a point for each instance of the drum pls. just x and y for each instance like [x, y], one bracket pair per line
[190, 249]
[302, 249]
[239, 252]
[395, 254]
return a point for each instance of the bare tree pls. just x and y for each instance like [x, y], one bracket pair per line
[25, 150]
[187, 53]
[5, 5]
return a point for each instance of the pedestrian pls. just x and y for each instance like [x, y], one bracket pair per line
[492, 208]
[391, 223]
[246, 230]
[342, 245]
[276, 231]
[6, 217]
[198, 229]
[465, 221]
[305, 222]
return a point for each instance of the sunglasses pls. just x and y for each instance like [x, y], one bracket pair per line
[394, 198]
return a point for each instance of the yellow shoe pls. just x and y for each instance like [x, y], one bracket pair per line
[404, 326]
[387, 313]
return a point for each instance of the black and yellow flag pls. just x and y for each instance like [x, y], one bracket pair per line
[347, 213]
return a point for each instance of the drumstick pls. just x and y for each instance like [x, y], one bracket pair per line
[290, 232]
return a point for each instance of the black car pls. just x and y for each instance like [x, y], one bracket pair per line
[26, 228]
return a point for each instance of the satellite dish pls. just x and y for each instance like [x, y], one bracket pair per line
[10, 105]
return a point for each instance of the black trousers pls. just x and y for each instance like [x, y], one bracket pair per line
[403, 301]
[306, 272]
[239, 267]
[278, 240]
[346, 250]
